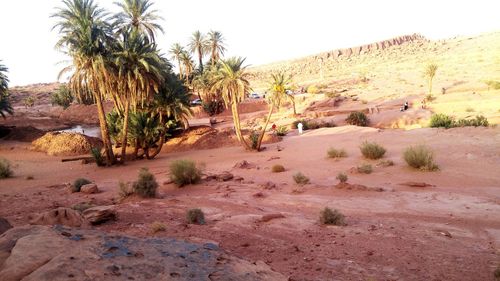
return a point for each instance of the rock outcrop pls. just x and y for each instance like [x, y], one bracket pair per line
[61, 215]
[41, 253]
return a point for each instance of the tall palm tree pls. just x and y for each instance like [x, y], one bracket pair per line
[139, 75]
[198, 45]
[278, 87]
[175, 52]
[216, 46]
[188, 65]
[232, 82]
[5, 106]
[430, 72]
[86, 37]
[137, 15]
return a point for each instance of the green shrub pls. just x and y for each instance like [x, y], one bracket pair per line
[312, 89]
[365, 169]
[78, 183]
[5, 170]
[493, 84]
[195, 216]
[278, 168]
[281, 131]
[441, 120]
[336, 153]
[357, 118]
[342, 177]
[254, 139]
[29, 101]
[420, 157]
[96, 154]
[146, 184]
[304, 124]
[300, 179]
[332, 217]
[62, 97]
[478, 121]
[372, 150]
[184, 172]
[213, 107]
[157, 227]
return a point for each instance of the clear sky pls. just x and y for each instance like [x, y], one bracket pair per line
[261, 30]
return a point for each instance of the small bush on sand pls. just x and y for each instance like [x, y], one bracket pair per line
[441, 120]
[479, 121]
[336, 153]
[300, 179]
[372, 150]
[420, 157]
[365, 169]
[78, 183]
[254, 139]
[195, 216]
[305, 124]
[278, 168]
[357, 118]
[62, 97]
[332, 217]
[184, 172]
[146, 184]
[5, 170]
[342, 177]
[157, 227]
[281, 131]
[385, 163]
[124, 190]
[96, 154]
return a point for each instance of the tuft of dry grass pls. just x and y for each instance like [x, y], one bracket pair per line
[300, 178]
[157, 227]
[278, 168]
[372, 150]
[342, 177]
[336, 153]
[420, 157]
[332, 217]
[365, 169]
[195, 216]
[5, 170]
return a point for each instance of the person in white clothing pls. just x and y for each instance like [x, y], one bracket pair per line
[299, 126]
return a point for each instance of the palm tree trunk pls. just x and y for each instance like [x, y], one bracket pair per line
[110, 157]
[125, 131]
[200, 59]
[261, 137]
[180, 69]
[294, 109]
[158, 149]
[237, 126]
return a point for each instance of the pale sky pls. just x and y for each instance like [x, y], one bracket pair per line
[263, 31]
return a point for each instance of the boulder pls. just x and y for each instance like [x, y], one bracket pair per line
[4, 225]
[244, 165]
[42, 253]
[224, 176]
[89, 188]
[61, 215]
[99, 214]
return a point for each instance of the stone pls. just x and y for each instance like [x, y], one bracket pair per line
[99, 214]
[268, 185]
[4, 225]
[61, 215]
[90, 188]
[244, 165]
[224, 176]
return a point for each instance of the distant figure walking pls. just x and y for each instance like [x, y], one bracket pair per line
[404, 107]
[299, 126]
[273, 127]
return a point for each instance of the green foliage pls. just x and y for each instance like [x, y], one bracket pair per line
[96, 154]
[420, 157]
[115, 125]
[146, 184]
[29, 101]
[365, 169]
[145, 129]
[300, 179]
[357, 118]
[310, 124]
[195, 216]
[184, 172]
[332, 217]
[213, 107]
[312, 89]
[336, 153]
[441, 120]
[342, 177]
[493, 84]
[254, 139]
[78, 183]
[281, 131]
[62, 97]
[478, 121]
[5, 170]
[278, 168]
[304, 124]
[372, 150]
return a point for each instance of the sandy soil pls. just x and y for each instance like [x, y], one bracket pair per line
[448, 231]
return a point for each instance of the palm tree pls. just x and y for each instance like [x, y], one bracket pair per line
[199, 46]
[139, 75]
[175, 52]
[216, 46]
[5, 106]
[188, 65]
[232, 82]
[278, 87]
[86, 37]
[137, 15]
[430, 72]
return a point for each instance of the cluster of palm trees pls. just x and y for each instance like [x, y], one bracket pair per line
[115, 57]
[5, 106]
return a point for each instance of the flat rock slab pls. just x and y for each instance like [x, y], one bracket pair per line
[99, 214]
[57, 253]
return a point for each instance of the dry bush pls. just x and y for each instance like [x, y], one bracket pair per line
[357, 118]
[278, 168]
[336, 153]
[124, 190]
[342, 177]
[365, 169]
[78, 183]
[372, 150]
[157, 227]
[146, 184]
[420, 157]
[5, 170]
[385, 163]
[300, 179]
[195, 216]
[332, 217]
[184, 172]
